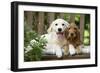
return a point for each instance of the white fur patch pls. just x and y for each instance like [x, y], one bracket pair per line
[53, 49]
[71, 49]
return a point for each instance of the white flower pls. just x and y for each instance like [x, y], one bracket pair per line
[28, 48]
[33, 41]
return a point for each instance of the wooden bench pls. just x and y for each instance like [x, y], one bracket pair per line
[53, 57]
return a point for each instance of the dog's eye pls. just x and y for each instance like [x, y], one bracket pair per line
[68, 28]
[63, 24]
[56, 24]
[75, 28]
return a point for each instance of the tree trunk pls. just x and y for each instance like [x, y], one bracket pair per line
[36, 21]
[41, 23]
[72, 18]
[82, 21]
[29, 20]
[51, 17]
[62, 15]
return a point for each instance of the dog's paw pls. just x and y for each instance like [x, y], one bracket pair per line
[72, 50]
[58, 54]
[78, 52]
[66, 54]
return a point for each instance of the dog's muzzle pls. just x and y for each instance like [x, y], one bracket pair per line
[59, 29]
[60, 34]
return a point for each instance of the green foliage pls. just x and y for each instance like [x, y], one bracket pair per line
[86, 33]
[32, 39]
[86, 37]
[66, 16]
[77, 19]
[87, 30]
[28, 36]
[86, 41]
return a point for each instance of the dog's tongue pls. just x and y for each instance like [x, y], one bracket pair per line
[60, 35]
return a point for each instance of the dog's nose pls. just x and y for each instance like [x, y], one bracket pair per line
[71, 34]
[59, 29]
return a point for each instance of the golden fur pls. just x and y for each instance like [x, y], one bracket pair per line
[72, 35]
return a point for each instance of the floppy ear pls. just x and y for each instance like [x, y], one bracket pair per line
[78, 39]
[67, 23]
[78, 36]
[50, 28]
[66, 33]
[78, 33]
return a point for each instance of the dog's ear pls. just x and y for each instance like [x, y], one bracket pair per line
[78, 39]
[78, 34]
[67, 23]
[50, 28]
[66, 33]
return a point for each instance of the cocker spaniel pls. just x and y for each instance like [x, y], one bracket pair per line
[72, 35]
